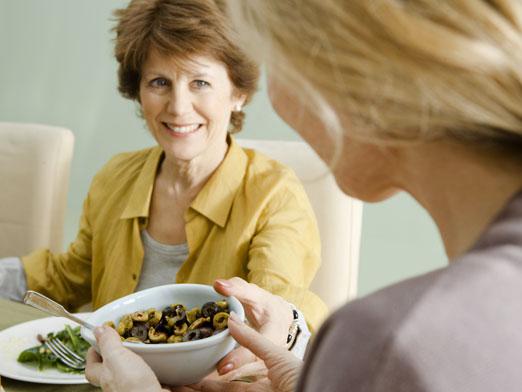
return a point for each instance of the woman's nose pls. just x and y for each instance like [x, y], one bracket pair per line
[180, 102]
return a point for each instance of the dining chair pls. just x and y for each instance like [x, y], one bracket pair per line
[339, 218]
[34, 175]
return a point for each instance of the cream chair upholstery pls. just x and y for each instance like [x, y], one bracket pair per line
[339, 218]
[34, 176]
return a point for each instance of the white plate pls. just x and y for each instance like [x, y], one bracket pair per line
[19, 337]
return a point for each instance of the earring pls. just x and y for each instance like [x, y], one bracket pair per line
[238, 107]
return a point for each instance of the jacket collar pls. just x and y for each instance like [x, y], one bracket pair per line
[215, 199]
[138, 203]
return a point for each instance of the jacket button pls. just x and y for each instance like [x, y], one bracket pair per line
[134, 277]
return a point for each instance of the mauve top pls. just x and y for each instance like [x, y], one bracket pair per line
[457, 329]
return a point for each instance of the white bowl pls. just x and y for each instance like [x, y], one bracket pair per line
[175, 363]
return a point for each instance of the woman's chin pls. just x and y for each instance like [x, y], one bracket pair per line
[368, 195]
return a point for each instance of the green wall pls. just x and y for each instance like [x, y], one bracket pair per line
[57, 68]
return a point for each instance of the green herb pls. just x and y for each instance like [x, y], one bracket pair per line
[42, 358]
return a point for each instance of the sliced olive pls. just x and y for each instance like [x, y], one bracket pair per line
[205, 332]
[174, 324]
[139, 331]
[200, 322]
[140, 316]
[180, 330]
[133, 340]
[169, 312]
[195, 334]
[176, 320]
[181, 313]
[209, 309]
[157, 337]
[220, 320]
[175, 339]
[124, 325]
[223, 304]
[193, 315]
[163, 328]
[154, 317]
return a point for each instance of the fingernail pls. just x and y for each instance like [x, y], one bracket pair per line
[226, 368]
[235, 318]
[223, 283]
[98, 331]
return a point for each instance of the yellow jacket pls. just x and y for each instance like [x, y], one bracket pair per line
[252, 219]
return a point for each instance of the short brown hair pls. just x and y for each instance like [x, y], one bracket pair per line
[180, 28]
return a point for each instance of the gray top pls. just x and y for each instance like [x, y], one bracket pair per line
[457, 329]
[161, 262]
[13, 284]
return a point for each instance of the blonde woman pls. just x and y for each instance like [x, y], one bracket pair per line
[195, 207]
[425, 97]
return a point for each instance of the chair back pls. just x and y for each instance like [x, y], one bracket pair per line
[339, 218]
[34, 177]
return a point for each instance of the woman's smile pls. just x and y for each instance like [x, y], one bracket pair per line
[181, 130]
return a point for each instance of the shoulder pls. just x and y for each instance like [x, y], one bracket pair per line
[456, 328]
[271, 177]
[437, 329]
[261, 165]
[359, 333]
[122, 167]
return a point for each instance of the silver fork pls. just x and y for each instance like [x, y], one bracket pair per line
[40, 301]
[65, 354]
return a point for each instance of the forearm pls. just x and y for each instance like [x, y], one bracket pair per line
[13, 284]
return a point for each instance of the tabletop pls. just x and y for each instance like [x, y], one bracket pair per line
[14, 313]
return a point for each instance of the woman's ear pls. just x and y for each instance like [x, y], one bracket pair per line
[239, 102]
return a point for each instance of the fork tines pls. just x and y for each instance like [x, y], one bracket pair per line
[65, 354]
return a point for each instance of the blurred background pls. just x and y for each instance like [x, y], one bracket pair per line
[57, 68]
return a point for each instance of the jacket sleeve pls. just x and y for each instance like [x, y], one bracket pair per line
[285, 251]
[64, 277]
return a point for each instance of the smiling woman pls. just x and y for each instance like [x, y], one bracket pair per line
[187, 107]
[196, 207]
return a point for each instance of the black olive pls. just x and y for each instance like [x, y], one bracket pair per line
[181, 316]
[205, 332]
[163, 327]
[195, 334]
[177, 311]
[140, 331]
[209, 309]
[168, 312]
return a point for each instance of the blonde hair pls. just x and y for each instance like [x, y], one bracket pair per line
[399, 70]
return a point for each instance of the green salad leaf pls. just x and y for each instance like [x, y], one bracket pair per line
[42, 358]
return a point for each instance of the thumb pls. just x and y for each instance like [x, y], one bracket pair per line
[248, 294]
[260, 346]
[108, 340]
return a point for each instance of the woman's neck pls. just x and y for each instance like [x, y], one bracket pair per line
[187, 177]
[463, 190]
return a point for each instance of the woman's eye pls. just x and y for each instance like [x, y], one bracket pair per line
[159, 82]
[201, 83]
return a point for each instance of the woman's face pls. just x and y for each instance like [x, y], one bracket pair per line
[187, 110]
[363, 170]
